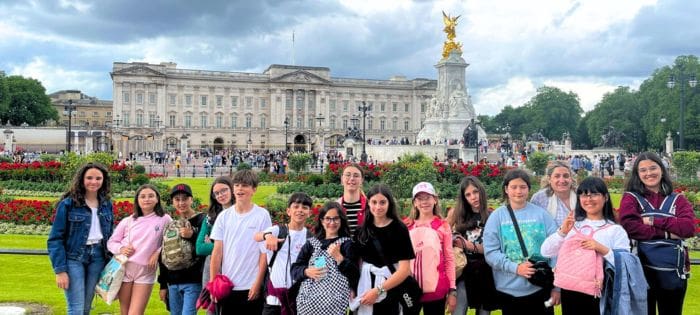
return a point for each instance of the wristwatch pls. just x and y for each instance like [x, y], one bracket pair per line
[452, 291]
[266, 234]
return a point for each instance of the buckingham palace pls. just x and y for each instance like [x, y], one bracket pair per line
[159, 107]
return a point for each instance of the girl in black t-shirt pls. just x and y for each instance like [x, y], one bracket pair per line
[382, 223]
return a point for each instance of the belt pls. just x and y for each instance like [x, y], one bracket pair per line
[90, 242]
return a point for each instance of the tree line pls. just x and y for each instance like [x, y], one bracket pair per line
[644, 116]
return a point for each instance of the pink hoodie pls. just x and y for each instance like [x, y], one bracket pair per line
[145, 234]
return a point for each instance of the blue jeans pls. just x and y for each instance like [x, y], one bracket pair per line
[183, 298]
[82, 279]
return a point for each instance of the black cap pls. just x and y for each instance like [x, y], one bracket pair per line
[181, 189]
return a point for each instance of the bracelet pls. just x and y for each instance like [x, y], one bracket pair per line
[380, 289]
[452, 292]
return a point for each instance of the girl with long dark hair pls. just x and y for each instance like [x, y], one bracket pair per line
[79, 233]
[382, 223]
[651, 181]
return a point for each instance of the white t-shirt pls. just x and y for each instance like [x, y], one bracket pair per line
[280, 274]
[241, 252]
[95, 234]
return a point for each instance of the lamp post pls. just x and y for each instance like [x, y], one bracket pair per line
[68, 109]
[682, 78]
[250, 141]
[320, 120]
[286, 131]
[364, 108]
[115, 131]
[478, 146]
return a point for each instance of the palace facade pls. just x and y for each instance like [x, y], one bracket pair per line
[158, 107]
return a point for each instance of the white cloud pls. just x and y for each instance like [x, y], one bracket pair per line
[55, 78]
[590, 91]
[515, 92]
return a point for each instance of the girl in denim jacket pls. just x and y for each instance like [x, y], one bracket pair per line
[76, 244]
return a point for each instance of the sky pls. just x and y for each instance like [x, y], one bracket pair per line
[513, 47]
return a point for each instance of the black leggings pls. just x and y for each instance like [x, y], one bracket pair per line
[669, 302]
[575, 303]
[529, 304]
[434, 307]
[237, 303]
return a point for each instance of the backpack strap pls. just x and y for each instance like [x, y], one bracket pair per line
[283, 234]
[669, 204]
[667, 208]
[517, 231]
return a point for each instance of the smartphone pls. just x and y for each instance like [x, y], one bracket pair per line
[320, 262]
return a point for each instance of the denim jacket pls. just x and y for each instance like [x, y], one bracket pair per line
[70, 230]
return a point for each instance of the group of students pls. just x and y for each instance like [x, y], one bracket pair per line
[360, 251]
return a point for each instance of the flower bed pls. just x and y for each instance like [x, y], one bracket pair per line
[47, 171]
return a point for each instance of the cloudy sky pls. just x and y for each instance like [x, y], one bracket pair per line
[513, 46]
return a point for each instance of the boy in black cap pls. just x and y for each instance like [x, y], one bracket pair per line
[180, 276]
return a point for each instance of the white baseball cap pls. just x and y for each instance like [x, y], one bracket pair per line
[424, 187]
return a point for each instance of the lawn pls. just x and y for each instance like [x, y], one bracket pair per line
[35, 276]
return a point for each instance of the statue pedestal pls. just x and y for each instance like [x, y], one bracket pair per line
[450, 111]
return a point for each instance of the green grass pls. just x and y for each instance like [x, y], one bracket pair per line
[201, 186]
[31, 279]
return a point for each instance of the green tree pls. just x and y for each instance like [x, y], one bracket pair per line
[4, 95]
[552, 112]
[622, 110]
[26, 102]
[663, 104]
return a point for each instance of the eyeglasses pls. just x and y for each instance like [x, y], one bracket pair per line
[652, 168]
[590, 196]
[221, 192]
[353, 175]
[331, 219]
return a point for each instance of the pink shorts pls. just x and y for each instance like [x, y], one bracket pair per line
[139, 274]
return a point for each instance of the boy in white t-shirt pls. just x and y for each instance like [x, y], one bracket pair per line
[292, 237]
[236, 254]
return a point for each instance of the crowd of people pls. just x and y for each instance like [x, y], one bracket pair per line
[361, 257]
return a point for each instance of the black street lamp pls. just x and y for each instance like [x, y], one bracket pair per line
[364, 108]
[68, 109]
[478, 146]
[682, 77]
[286, 131]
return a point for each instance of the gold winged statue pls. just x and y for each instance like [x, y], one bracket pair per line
[450, 44]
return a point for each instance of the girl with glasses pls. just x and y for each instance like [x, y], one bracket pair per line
[326, 265]
[220, 198]
[651, 181]
[593, 213]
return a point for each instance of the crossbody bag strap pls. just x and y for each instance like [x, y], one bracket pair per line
[283, 231]
[378, 246]
[517, 231]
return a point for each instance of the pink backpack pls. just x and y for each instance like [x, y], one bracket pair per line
[579, 269]
[429, 265]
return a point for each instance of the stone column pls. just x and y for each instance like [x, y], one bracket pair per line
[669, 143]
